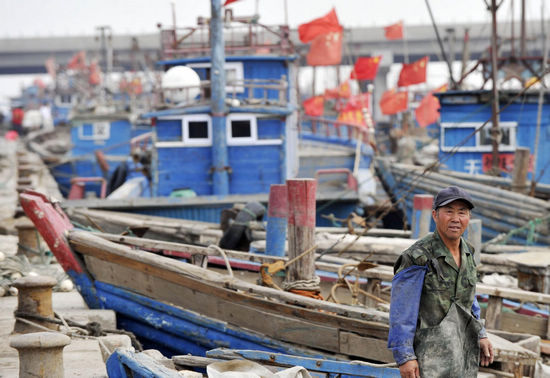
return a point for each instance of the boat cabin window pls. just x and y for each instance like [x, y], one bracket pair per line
[241, 129]
[234, 75]
[64, 99]
[94, 131]
[455, 133]
[197, 130]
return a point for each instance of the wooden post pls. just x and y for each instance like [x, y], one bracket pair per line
[422, 215]
[301, 228]
[492, 316]
[473, 236]
[521, 166]
[277, 214]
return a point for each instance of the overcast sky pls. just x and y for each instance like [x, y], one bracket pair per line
[29, 18]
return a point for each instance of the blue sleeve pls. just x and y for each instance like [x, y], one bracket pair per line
[405, 302]
[476, 311]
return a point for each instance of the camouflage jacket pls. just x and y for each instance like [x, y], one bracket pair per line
[443, 284]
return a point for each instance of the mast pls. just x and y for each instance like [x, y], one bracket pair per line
[540, 102]
[495, 130]
[217, 78]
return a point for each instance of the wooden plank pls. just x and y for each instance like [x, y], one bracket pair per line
[283, 327]
[515, 294]
[366, 347]
[207, 281]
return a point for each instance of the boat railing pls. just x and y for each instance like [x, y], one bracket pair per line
[262, 92]
[241, 36]
[327, 128]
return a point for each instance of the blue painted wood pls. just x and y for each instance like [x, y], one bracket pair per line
[140, 365]
[462, 106]
[254, 168]
[187, 167]
[180, 331]
[217, 76]
[345, 368]
[276, 236]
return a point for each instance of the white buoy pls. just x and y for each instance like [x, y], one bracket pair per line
[180, 84]
[15, 276]
[13, 291]
[2, 256]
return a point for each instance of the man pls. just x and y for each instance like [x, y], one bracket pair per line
[435, 329]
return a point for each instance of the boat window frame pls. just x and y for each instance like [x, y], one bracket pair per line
[239, 73]
[184, 124]
[94, 135]
[511, 125]
[241, 141]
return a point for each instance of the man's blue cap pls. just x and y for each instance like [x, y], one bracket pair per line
[450, 194]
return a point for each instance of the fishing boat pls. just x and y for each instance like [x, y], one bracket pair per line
[227, 129]
[181, 307]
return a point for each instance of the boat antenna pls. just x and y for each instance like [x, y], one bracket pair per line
[453, 82]
[495, 130]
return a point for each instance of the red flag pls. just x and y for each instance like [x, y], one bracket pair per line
[365, 68]
[94, 77]
[393, 102]
[325, 50]
[227, 2]
[323, 25]
[343, 91]
[394, 31]
[428, 110]
[354, 117]
[413, 73]
[78, 61]
[358, 102]
[314, 106]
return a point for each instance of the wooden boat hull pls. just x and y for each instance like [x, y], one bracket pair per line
[182, 308]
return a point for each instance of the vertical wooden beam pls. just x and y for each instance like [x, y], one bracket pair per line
[422, 215]
[492, 316]
[473, 236]
[277, 214]
[301, 228]
[521, 166]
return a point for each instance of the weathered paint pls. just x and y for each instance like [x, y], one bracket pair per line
[139, 365]
[174, 329]
[422, 215]
[277, 214]
[458, 108]
[301, 202]
[313, 365]
[53, 224]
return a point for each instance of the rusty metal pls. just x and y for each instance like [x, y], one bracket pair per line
[40, 354]
[35, 297]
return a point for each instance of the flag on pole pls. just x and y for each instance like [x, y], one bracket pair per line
[78, 61]
[428, 110]
[393, 102]
[325, 50]
[413, 73]
[314, 106]
[322, 25]
[365, 68]
[394, 31]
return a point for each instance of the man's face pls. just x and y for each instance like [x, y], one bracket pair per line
[452, 219]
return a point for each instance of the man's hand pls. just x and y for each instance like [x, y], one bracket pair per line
[410, 369]
[485, 352]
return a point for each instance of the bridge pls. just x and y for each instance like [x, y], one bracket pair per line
[27, 55]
